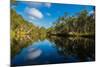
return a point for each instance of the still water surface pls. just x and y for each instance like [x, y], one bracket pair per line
[56, 50]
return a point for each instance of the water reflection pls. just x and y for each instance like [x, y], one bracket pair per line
[83, 48]
[33, 53]
[18, 43]
[52, 50]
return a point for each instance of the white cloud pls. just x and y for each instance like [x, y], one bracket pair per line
[39, 4]
[35, 4]
[48, 5]
[34, 53]
[91, 12]
[34, 13]
[31, 18]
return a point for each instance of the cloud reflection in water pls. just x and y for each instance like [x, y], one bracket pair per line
[33, 53]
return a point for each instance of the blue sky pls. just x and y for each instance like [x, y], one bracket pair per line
[45, 14]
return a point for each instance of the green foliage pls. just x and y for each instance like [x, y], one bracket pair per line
[23, 33]
[81, 24]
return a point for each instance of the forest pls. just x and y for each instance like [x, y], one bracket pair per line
[82, 24]
[23, 32]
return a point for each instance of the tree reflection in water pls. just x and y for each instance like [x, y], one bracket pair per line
[83, 48]
[18, 43]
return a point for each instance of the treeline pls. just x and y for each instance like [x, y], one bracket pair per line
[23, 33]
[20, 27]
[83, 23]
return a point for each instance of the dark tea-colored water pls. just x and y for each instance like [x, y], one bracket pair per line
[54, 50]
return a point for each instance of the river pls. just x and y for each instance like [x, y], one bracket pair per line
[53, 50]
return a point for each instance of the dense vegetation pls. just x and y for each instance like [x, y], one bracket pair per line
[21, 27]
[23, 33]
[83, 24]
